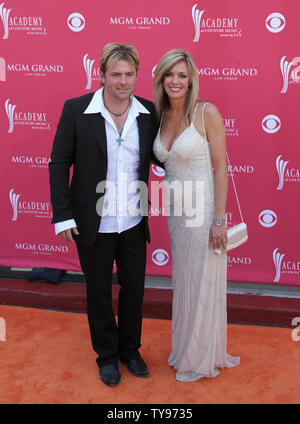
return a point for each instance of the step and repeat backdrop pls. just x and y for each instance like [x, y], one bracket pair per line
[248, 60]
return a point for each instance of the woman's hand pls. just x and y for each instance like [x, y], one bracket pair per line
[218, 236]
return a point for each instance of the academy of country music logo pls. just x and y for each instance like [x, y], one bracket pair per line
[31, 25]
[153, 70]
[230, 127]
[286, 174]
[34, 120]
[20, 206]
[30, 161]
[232, 218]
[283, 266]
[92, 72]
[160, 257]
[140, 22]
[290, 71]
[40, 248]
[28, 70]
[275, 22]
[221, 26]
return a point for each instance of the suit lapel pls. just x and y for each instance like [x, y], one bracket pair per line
[97, 123]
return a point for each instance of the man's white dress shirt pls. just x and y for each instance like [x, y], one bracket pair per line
[122, 170]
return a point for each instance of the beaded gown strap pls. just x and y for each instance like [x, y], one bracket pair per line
[194, 114]
[161, 120]
[203, 123]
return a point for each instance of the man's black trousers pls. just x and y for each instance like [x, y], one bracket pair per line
[113, 340]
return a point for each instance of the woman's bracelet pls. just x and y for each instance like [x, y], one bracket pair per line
[219, 221]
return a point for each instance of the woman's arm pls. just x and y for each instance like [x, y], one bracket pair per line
[216, 135]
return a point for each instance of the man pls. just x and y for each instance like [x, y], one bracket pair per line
[106, 135]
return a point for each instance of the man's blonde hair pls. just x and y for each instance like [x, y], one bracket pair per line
[113, 52]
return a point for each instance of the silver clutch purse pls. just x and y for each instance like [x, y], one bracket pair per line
[236, 236]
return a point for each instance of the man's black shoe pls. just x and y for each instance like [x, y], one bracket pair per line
[110, 374]
[136, 367]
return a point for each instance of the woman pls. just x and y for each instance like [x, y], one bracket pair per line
[192, 136]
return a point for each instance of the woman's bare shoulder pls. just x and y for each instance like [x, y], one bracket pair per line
[210, 110]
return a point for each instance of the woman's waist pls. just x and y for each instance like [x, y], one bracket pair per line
[187, 177]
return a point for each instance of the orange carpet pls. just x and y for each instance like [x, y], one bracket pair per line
[47, 359]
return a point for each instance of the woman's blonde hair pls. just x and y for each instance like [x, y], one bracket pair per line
[112, 52]
[170, 59]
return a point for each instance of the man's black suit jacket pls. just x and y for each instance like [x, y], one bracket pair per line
[80, 141]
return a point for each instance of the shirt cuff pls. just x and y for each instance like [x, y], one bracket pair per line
[64, 225]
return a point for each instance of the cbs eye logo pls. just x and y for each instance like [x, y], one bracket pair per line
[76, 22]
[275, 22]
[267, 218]
[158, 171]
[160, 257]
[271, 124]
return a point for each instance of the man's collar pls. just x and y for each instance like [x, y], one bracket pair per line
[96, 105]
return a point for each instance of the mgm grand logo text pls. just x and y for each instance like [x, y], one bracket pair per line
[141, 20]
[35, 69]
[41, 248]
[228, 72]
